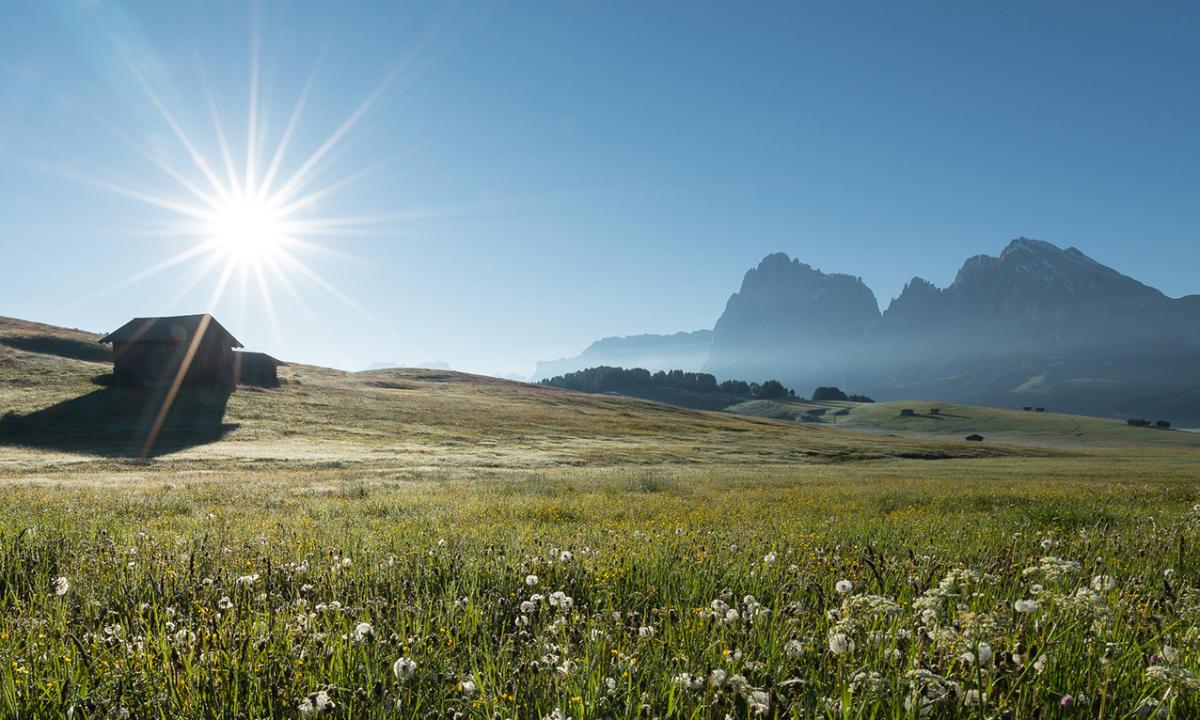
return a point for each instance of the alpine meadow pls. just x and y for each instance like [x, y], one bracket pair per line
[726, 383]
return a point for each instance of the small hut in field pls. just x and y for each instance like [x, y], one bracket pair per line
[157, 351]
[256, 368]
[976, 437]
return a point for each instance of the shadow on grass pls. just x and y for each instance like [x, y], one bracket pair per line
[118, 421]
[62, 347]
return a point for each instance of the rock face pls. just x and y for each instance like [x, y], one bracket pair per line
[788, 317]
[681, 351]
[1036, 325]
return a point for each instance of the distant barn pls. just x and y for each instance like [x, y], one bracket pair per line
[151, 352]
[906, 412]
[974, 438]
[255, 368]
[154, 351]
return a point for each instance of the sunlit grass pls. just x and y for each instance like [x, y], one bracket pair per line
[195, 595]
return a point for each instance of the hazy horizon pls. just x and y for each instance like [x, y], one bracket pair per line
[526, 180]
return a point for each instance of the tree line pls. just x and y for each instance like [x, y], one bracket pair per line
[614, 379]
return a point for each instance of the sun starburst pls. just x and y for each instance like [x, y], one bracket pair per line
[247, 220]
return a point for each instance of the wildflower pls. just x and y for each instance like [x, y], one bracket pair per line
[1170, 654]
[558, 714]
[1040, 664]
[527, 606]
[61, 585]
[610, 684]
[793, 648]
[985, 654]
[315, 703]
[363, 632]
[247, 579]
[559, 599]
[769, 558]
[1067, 701]
[718, 677]
[844, 586]
[646, 631]
[1025, 606]
[1103, 583]
[404, 669]
[468, 687]
[565, 556]
[759, 702]
[531, 580]
[1176, 678]
[225, 603]
[840, 644]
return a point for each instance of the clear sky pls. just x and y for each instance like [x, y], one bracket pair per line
[528, 177]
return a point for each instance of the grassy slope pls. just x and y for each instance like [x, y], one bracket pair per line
[1014, 427]
[415, 418]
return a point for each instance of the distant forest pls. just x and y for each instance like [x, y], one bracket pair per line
[614, 379]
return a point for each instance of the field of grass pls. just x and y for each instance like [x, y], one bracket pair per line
[955, 421]
[415, 544]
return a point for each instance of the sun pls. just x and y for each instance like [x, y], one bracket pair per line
[247, 227]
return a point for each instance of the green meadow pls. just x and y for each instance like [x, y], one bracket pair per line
[418, 544]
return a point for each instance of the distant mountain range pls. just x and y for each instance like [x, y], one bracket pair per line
[1038, 325]
[681, 351]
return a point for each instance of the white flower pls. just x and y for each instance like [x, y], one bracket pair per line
[840, 644]
[225, 603]
[844, 586]
[1102, 583]
[560, 599]
[404, 668]
[247, 579]
[468, 687]
[1040, 664]
[363, 632]
[565, 556]
[531, 580]
[316, 703]
[759, 702]
[1170, 654]
[61, 586]
[646, 631]
[718, 677]
[769, 558]
[527, 606]
[793, 648]
[558, 714]
[985, 654]
[1025, 606]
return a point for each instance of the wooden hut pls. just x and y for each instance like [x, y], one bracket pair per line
[976, 437]
[156, 351]
[256, 368]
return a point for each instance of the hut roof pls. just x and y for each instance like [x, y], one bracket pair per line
[177, 327]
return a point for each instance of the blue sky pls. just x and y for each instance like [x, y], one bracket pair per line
[545, 174]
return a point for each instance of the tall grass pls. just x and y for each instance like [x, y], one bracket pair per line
[695, 592]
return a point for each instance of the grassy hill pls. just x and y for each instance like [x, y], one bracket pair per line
[59, 409]
[1041, 429]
